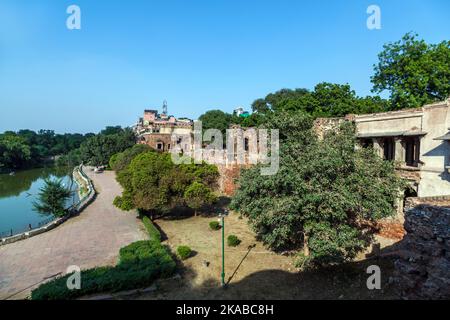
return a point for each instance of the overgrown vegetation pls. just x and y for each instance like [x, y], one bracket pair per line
[322, 194]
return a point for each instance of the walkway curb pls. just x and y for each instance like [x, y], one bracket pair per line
[75, 210]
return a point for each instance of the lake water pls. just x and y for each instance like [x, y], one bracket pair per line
[18, 192]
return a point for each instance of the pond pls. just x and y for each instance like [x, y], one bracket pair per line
[19, 191]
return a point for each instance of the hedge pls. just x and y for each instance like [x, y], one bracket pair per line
[139, 265]
[153, 232]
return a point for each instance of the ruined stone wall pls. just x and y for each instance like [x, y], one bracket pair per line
[423, 266]
[322, 125]
[227, 179]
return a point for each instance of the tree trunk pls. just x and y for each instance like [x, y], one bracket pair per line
[305, 245]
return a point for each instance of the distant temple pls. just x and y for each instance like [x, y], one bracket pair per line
[155, 129]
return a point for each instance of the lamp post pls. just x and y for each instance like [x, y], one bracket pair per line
[222, 217]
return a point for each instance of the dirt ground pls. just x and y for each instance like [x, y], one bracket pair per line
[253, 272]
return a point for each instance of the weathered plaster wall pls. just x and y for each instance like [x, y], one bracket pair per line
[435, 153]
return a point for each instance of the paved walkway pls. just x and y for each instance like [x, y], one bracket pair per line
[91, 239]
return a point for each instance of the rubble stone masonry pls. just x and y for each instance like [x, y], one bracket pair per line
[423, 265]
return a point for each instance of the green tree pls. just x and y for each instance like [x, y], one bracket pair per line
[99, 149]
[52, 198]
[322, 194]
[326, 100]
[153, 183]
[198, 195]
[216, 119]
[414, 72]
[14, 152]
[121, 160]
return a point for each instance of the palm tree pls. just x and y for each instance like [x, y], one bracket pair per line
[52, 198]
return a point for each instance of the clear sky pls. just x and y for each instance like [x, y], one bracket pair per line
[197, 55]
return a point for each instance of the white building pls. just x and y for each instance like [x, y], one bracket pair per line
[417, 139]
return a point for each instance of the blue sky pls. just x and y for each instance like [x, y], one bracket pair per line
[198, 55]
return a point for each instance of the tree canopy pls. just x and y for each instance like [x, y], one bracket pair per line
[326, 100]
[413, 72]
[99, 149]
[322, 194]
[27, 148]
[52, 198]
[153, 183]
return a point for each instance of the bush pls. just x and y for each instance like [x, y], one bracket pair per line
[153, 232]
[184, 252]
[214, 225]
[139, 265]
[233, 241]
[124, 203]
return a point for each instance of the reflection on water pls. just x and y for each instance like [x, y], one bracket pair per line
[18, 192]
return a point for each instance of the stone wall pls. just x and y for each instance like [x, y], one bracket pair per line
[227, 179]
[423, 265]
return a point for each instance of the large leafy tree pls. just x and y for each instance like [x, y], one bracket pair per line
[14, 151]
[198, 195]
[98, 149]
[326, 100]
[414, 72]
[27, 148]
[52, 198]
[322, 195]
[216, 119]
[153, 183]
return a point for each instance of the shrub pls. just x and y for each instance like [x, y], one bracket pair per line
[124, 202]
[153, 232]
[140, 263]
[214, 225]
[233, 241]
[184, 252]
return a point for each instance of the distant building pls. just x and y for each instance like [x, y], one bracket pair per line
[418, 140]
[240, 112]
[155, 129]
